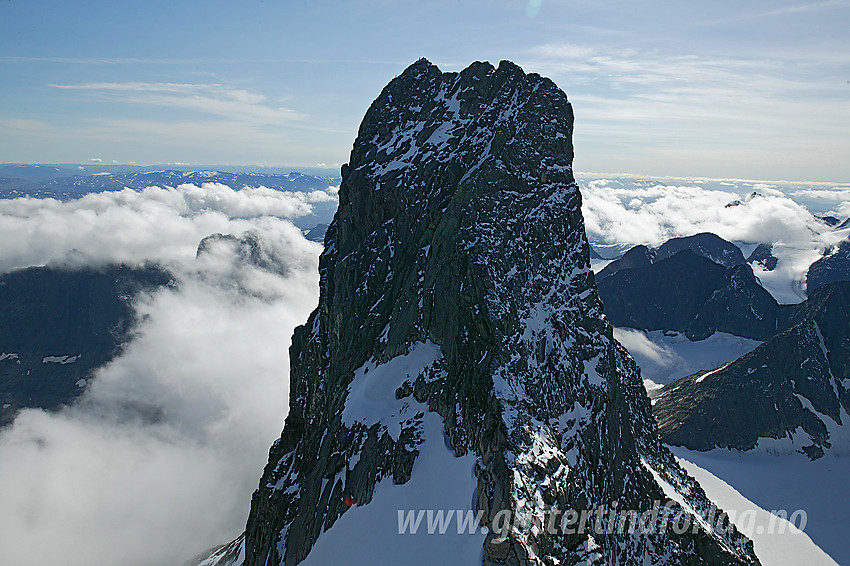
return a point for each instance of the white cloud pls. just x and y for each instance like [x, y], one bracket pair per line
[215, 99]
[158, 459]
[651, 213]
[630, 212]
[638, 344]
[161, 224]
[835, 194]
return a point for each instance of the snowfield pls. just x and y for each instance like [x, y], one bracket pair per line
[761, 483]
[664, 358]
[440, 482]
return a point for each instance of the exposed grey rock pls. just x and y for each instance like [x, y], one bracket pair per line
[795, 385]
[460, 222]
[763, 255]
[688, 293]
[834, 266]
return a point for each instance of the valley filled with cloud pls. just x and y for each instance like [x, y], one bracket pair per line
[157, 459]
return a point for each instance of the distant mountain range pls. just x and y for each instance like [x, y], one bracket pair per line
[65, 184]
[792, 393]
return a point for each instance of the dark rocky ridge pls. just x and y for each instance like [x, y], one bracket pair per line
[687, 293]
[57, 325]
[796, 382]
[460, 223]
[635, 258]
[705, 244]
[834, 266]
[830, 221]
[763, 255]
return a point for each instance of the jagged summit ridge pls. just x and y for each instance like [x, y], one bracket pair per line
[456, 286]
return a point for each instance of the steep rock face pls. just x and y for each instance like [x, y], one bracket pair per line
[792, 392]
[459, 231]
[57, 325]
[688, 293]
[763, 255]
[834, 266]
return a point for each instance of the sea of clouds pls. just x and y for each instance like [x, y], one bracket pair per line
[623, 212]
[157, 460]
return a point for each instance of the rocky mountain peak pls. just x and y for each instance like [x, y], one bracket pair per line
[458, 123]
[457, 303]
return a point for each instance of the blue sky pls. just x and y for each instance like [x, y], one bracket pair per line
[757, 89]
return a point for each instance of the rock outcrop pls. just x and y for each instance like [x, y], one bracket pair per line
[834, 266]
[459, 235]
[687, 293]
[249, 249]
[57, 325]
[792, 393]
[763, 256]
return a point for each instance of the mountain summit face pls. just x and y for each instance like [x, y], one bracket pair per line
[459, 327]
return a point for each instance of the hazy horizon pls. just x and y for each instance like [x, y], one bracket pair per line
[295, 168]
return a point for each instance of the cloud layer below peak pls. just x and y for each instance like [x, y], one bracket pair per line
[156, 461]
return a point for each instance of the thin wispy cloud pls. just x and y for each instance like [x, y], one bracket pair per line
[212, 99]
[24, 125]
[789, 10]
[199, 60]
[723, 106]
[811, 6]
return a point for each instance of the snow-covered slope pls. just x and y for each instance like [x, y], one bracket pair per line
[664, 357]
[763, 488]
